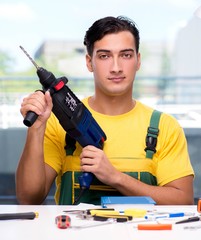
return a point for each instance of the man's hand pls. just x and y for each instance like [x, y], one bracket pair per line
[39, 103]
[94, 160]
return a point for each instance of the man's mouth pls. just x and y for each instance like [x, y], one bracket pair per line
[116, 79]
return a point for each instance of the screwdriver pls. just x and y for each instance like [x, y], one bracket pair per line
[191, 219]
[25, 215]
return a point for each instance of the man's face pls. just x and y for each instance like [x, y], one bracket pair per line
[114, 63]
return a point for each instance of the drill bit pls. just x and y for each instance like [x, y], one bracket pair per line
[31, 59]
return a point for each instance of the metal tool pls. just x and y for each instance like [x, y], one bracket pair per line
[86, 211]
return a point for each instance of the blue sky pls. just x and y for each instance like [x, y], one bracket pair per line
[30, 22]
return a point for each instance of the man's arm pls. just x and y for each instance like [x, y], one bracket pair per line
[179, 191]
[33, 177]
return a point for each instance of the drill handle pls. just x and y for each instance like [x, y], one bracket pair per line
[30, 118]
[85, 180]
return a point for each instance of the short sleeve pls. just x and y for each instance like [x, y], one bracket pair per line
[173, 159]
[54, 142]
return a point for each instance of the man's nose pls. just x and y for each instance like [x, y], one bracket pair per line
[116, 65]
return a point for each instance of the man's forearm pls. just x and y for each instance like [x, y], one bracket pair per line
[177, 192]
[30, 174]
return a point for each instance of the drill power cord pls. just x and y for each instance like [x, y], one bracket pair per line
[81, 193]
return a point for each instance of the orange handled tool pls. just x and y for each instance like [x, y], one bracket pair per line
[154, 226]
[199, 205]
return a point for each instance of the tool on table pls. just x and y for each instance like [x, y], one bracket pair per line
[95, 213]
[168, 215]
[117, 218]
[63, 221]
[101, 214]
[199, 205]
[191, 219]
[105, 217]
[24, 215]
[134, 212]
[93, 224]
[86, 211]
[72, 114]
[154, 227]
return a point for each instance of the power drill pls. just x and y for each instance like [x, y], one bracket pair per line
[72, 114]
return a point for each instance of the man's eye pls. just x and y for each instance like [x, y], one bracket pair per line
[126, 55]
[104, 56]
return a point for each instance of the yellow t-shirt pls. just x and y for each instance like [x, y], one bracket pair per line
[124, 147]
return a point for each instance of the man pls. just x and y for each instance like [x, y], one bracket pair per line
[121, 168]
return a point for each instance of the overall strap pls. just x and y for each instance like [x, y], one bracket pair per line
[152, 134]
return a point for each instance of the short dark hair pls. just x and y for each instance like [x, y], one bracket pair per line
[108, 25]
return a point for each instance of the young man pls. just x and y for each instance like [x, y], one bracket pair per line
[122, 167]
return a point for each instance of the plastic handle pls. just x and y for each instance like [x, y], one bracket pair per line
[199, 205]
[30, 118]
[154, 226]
[85, 180]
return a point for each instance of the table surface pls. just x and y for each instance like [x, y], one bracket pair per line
[44, 226]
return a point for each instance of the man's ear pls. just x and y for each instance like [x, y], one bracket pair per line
[89, 63]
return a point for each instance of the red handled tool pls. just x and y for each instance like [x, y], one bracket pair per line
[63, 221]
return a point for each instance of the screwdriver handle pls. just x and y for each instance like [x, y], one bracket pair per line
[25, 215]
